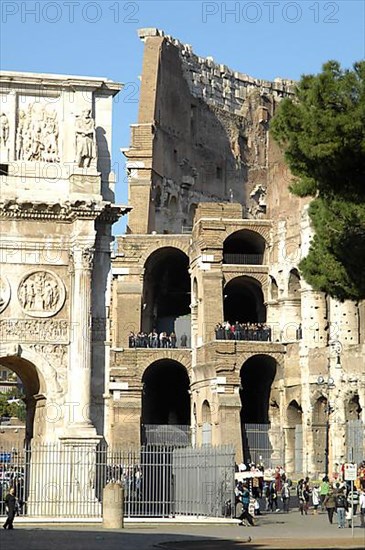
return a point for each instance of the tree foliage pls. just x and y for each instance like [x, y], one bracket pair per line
[322, 132]
[14, 409]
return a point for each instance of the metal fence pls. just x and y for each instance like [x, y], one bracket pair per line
[355, 441]
[253, 259]
[263, 444]
[67, 481]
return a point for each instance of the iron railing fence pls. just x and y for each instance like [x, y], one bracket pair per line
[263, 444]
[243, 259]
[67, 480]
[355, 441]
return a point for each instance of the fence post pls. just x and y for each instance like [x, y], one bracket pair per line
[113, 506]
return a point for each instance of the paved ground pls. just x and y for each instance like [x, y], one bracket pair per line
[274, 531]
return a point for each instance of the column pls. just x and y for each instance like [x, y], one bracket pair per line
[80, 348]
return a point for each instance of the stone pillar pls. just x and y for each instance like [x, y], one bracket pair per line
[113, 503]
[344, 319]
[313, 319]
[80, 347]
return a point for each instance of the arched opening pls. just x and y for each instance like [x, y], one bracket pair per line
[166, 292]
[274, 289]
[294, 285]
[257, 375]
[354, 429]
[165, 400]
[320, 426]
[29, 389]
[294, 438]
[353, 408]
[244, 301]
[244, 247]
[206, 424]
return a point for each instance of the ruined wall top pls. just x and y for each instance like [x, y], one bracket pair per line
[217, 84]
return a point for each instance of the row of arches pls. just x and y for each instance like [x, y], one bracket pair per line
[167, 298]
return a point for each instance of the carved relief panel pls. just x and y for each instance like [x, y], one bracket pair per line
[37, 131]
[41, 294]
[5, 293]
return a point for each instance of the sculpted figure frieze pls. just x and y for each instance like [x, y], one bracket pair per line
[5, 293]
[34, 330]
[4, 130]
[37, 134]
[41, 294]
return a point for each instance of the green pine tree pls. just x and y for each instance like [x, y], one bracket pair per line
[322, 132]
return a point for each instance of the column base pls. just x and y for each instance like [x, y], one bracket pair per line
[80, 432]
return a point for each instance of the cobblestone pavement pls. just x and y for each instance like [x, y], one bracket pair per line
[274, 531]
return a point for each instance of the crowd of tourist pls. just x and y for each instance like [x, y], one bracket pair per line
[243, 331]
[337, 498]
[156, 339]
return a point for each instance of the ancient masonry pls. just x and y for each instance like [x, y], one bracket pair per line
[213, 235]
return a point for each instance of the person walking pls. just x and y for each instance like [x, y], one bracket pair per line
[285, 496]
[315, 499]
[302, 497]
[341, 507]
[323, 490]
[10, 506]
[245, 501]
[330, 504]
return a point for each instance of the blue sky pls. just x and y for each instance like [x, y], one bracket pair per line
[262, 38]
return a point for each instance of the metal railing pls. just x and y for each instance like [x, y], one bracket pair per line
[67, 481]
[248, 259]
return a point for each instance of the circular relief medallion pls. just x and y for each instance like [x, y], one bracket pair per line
[41, 294]
[5, 293]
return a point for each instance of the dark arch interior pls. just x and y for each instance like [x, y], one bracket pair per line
[257, 375]
[294, 284]
[294, 413]
[320, 415]
[354, 408]
[244, 301]
[166, 398]
[244, 242]
[166, 291]
[28, 375]
[274, 289]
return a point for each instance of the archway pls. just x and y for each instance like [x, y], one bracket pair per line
[320, 428]
[166, 401]
[354, 429]
[244, 247]
[244, 301]
[166, 292]
[257, 375]
[294, 438]
[206, 424]
[294, 285]
[274, 289]
[31, 388]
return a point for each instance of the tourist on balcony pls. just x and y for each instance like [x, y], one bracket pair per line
[172, 339]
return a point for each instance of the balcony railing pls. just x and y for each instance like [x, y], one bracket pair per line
[243, 259]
